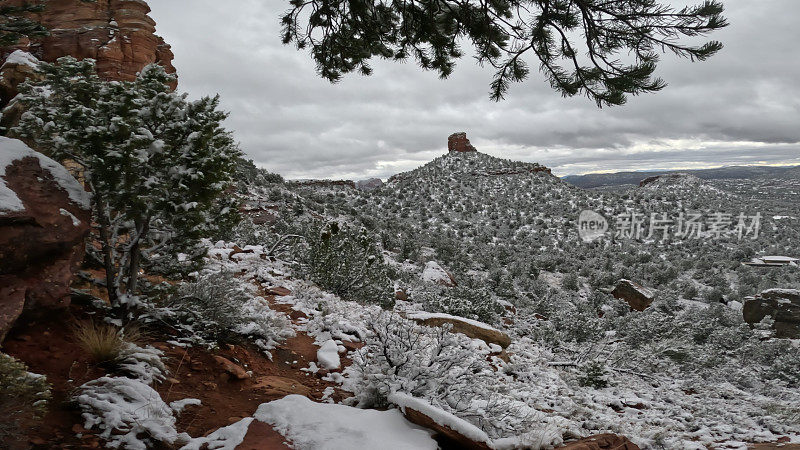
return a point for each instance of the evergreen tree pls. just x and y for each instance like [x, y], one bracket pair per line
[620, 39]
[15, 22]
[154, 161]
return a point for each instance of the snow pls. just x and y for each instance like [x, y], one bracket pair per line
[225, 438]
[422, 315]
[75, 220]
[179, 405]
[142, 363]
[328, 355]
[439, 416]
[130, 407]
[22, 58]
[325, 426]
[434, 273]
[13, 150]
[779, 258]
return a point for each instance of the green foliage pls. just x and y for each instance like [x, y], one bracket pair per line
[15, 23]
[23, 398]
[593, 374]
[570, 281]
[155, 161]
[347, 262]
[216, 309]
[467, 300]
[343, 35]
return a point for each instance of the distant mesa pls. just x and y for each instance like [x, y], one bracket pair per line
[369, 184]
[458, 142]
[670, 179]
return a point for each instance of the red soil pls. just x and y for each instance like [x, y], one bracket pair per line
[47, 347]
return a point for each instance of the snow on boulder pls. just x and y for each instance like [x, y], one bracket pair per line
[783, 305]
[13, 152]
[636, 295]
[44, 218]
[468, 327]
[18, 67]
[434, 273]
[310, 425]
[455, 429]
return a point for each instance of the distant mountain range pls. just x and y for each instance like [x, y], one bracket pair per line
[597, 180]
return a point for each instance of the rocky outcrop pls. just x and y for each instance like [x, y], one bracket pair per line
[436, 274]
[601, 442]
[783, 305]
[17, 67]
[458, 142]
[44, 218]
[636, 295]
[467, 327]
[118, 34]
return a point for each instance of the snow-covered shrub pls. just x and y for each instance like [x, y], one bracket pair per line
[128, 413]
[23, 397]
[448, 370]
[347, 262]
[570, 281]
[218, 308]
[143, 363]
[470, 301]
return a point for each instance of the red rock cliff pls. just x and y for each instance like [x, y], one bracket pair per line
[119, 34]
[458, 142]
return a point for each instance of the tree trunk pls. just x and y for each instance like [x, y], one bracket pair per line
[136, 256]
[108, 260]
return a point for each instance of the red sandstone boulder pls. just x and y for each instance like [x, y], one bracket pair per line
[454, 431]
[601, 442]
[783, 305]
[436, 274]
[17, 67]
[231, 368]
[636, 295]
[467, 327]
[44, 218]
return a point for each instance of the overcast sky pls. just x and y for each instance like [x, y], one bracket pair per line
[740, 107]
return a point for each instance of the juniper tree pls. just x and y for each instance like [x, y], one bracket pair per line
[604, 49]
[15, 22]
[155, 161]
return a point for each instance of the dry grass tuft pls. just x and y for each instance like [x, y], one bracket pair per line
[103, 342]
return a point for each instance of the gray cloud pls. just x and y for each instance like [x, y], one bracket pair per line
[740, 107]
